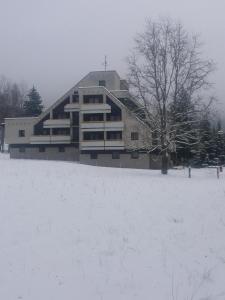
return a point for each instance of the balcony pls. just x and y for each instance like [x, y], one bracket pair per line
[92, 126]
[95, 108]
[114, 125]
[60, 139]
[72, 107]
[57, 123]
[40, 139]
[114, 144]
[99, 126]
[102, 145]
[47, 139]
[88, 108]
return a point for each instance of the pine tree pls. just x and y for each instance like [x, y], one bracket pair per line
[220, 143]
[184, 118]
[204, 146]
[33, 105]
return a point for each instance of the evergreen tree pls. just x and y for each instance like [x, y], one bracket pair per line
[211, 146]
[33, 105]
[184, 114]
[219, 143]
[205, 142]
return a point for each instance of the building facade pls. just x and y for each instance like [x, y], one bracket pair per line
[2, 138]
[93, 123]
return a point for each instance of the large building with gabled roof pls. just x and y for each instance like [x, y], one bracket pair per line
[93, 123]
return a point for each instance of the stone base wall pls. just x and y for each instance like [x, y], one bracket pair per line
[144, 161]
[51, 153]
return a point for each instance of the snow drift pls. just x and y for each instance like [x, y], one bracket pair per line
[70, 231]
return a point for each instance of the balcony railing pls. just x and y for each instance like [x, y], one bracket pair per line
[95, 108]
[89, 126]
[72, 107]
[99, 126]
[92, 145]
[50, 139]
[88, 108]
[114, 125]
[57, 123]
[102, 145]
[114, 144]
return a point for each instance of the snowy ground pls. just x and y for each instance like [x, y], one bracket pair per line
[75, 232]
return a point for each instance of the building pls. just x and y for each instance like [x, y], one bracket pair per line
[93, 123]
[2, 133]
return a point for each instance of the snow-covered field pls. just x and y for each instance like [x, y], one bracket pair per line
[75, 232]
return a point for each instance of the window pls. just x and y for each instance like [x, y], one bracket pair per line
[61, 149]
[58, 111]
[90, 99]
[114, 135]
[115, 155]
[94, 155]
[111, 117]
[134, 136]
[93, 117]
[21, 133]
[134, 155]
[116, 114]
[154, 138]
[61, 131]
[41, 149]
[94, 135]
[101, 83]
[46, 131]
[22, 149]
[75, 134]
[75, 118]
[129, 104]
[75, 98]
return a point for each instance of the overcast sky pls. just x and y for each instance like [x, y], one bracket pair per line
[53, 43]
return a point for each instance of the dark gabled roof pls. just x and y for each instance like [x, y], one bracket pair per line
[131, 105]
[69, 91]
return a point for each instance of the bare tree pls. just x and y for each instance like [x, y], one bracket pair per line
[166, 70]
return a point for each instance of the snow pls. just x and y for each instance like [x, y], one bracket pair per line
[70, 231]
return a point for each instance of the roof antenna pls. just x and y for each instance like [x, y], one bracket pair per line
[105, 64]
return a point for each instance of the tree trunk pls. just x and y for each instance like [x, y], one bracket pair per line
[165, 162]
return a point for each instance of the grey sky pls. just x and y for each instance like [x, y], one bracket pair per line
[53, 43]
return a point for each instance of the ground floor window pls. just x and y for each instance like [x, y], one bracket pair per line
[115, 155]
[93, 155]
[22, 149]
[134, 155]
[61, 149]
[41, 149]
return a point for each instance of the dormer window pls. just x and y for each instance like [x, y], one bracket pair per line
[101, 83]
[75, 98]
[21, 133]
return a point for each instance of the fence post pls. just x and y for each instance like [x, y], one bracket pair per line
[189, 172]
[218, 172]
